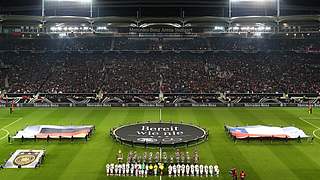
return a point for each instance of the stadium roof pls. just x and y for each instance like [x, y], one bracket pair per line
[160, 7]
[127, 21]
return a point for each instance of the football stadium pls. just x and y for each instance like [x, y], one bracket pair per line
[137, 89]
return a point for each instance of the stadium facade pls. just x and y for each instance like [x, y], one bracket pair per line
[135, 26]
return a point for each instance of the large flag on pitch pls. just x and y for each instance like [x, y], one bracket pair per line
[43, 131]
[266, 131]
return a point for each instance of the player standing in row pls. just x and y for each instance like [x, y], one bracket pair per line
[187, 169]
[170, 169]
[107, 169]
[174, 169]
[206, 170]
[216, 170]
[183, 169]
[127, 168]
[120, 157]
[234, 174]
[201, 169]
[116, 169]
[161, 168]
[197, 170]
[177, 156]
[242, 175]
[178, 169]
[155, 169]
[192, 169]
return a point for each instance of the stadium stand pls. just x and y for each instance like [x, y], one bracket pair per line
[239, 60]
[237, 66]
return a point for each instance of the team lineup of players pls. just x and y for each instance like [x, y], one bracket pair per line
[183, 164]
[159, 168]
[180, 157]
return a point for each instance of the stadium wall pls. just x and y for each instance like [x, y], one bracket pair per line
[26, 105]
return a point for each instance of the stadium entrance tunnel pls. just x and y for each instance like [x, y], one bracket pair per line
[159, 134]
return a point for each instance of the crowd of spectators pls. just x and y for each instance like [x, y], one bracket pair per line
[162, 44]
[140, 72]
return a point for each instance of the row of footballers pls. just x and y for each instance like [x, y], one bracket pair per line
[180, 157]
[193, 170]
[153, 169]
[134, 169]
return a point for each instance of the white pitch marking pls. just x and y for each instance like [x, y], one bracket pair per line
[4, 128]
[160, 149]
[12, 123]
[4, 135]
[314, 132]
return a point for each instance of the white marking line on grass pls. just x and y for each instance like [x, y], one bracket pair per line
[12, 123]
[4, 135]
[4, 128]
[314, 132]
[160, 149]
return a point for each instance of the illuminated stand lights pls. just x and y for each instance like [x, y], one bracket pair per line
[83, 29]
[69, 29]
[258, 28]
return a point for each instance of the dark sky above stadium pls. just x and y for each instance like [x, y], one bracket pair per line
[161, 7]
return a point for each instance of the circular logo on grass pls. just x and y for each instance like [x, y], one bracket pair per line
[159, 133]
[24, 159]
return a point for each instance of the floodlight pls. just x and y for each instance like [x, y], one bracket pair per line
[77, 1]
[252, 0]
[80, 1]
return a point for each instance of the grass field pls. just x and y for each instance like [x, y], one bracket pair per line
[86, 161]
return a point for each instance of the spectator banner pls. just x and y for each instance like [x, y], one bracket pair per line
[266, 132]
[25, 159]
[43, 131]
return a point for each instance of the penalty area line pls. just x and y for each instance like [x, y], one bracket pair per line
[4, 128]
[317, 127]
[12, 123]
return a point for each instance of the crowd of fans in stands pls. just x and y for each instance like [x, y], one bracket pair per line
[171, 44]
[251, 65]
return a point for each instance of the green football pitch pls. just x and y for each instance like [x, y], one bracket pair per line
[80, 160]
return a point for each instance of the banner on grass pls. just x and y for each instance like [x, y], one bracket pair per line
[43, 131]
[25, 159]
[266, 131]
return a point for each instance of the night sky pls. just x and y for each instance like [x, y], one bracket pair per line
[161, 8]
